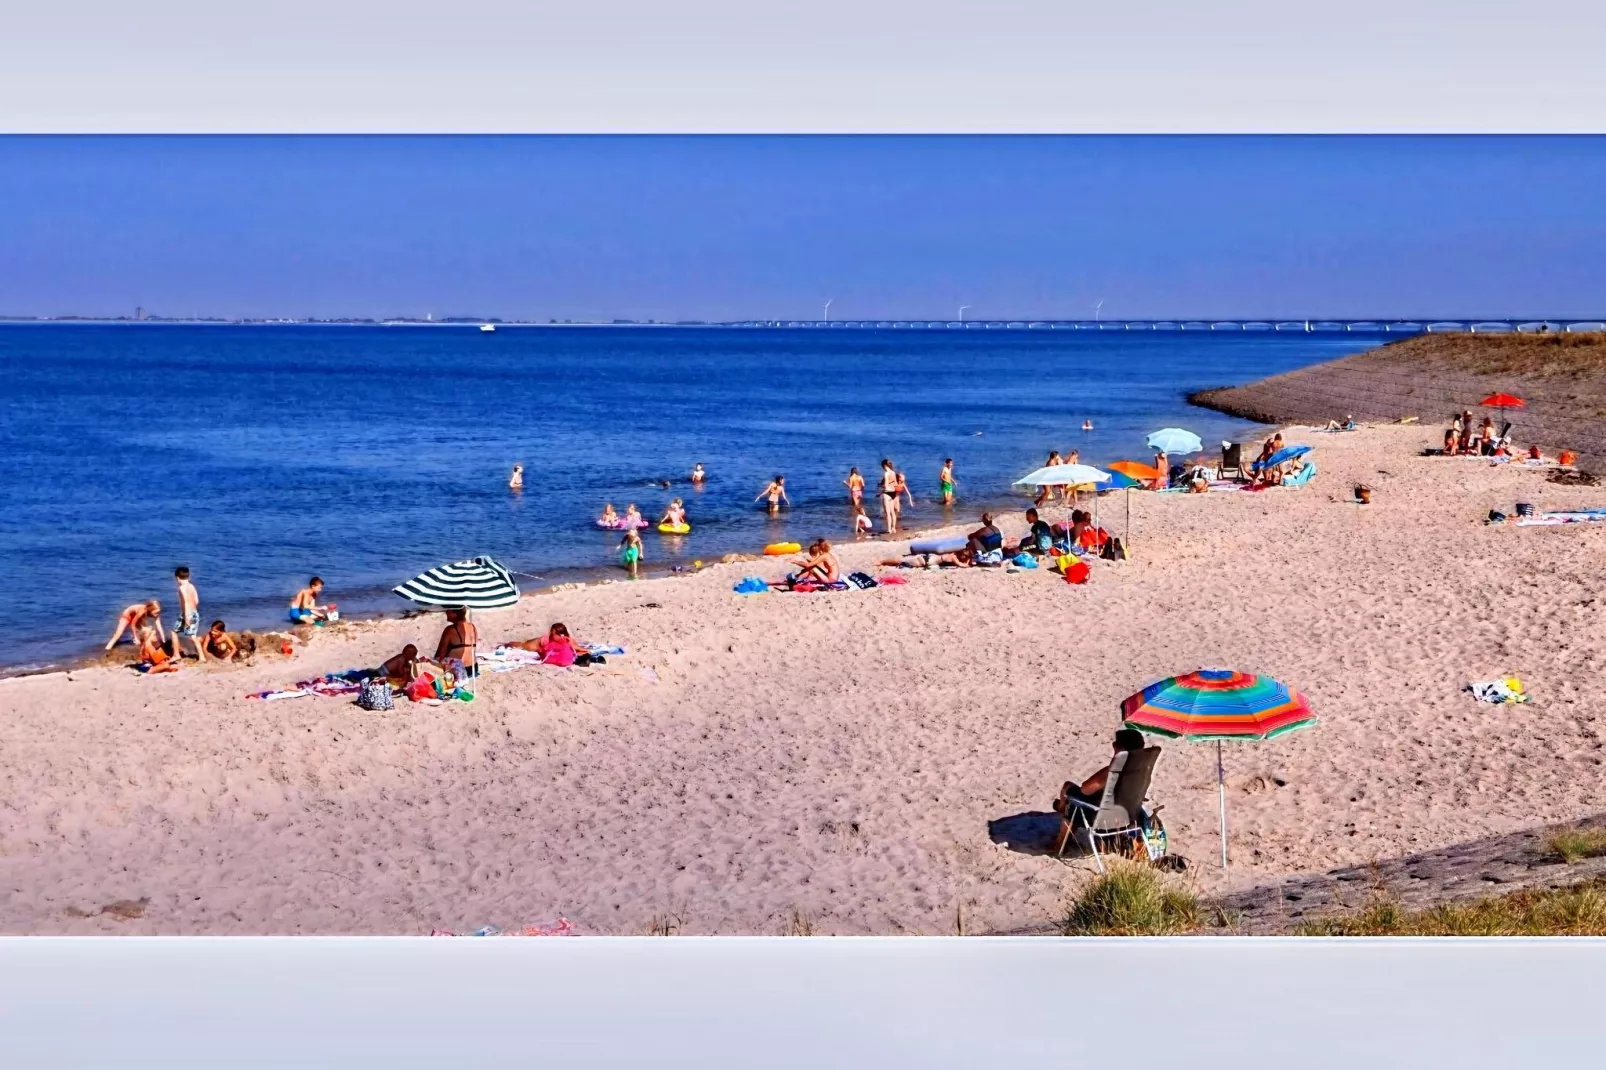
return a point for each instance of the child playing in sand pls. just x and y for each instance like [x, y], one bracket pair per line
[136, 617]
[153, 657]
[304, 607]
[945, 479]
[220, 644]
[855, 485]
[631, 551]
[401, 669]
[188, 624]
[862, 525]
[776, 493]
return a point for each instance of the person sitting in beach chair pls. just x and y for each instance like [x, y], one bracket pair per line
[1109, 804]
[1347, 425]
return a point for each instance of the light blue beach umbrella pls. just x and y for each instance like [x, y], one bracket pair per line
[1175, 440]
[1282, 456]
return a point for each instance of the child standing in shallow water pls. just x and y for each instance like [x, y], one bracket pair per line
[946, 479]
[862, 524]
[630, 551]
[855, 485]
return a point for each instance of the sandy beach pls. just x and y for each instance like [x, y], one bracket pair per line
[830, 762]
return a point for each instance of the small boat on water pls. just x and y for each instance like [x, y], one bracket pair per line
[487, 328]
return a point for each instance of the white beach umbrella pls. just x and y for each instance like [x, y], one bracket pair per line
[1066, 475]
[478, 584]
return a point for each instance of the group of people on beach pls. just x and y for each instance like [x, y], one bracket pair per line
[158, 650]
[1465, 438]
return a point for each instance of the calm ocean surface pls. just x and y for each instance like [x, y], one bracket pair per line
[261, 455]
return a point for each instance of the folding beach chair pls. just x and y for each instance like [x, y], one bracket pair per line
[1232, 460]
[1119, 814]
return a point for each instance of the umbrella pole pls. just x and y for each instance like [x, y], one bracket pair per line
[1127, 541]
[1221, 794]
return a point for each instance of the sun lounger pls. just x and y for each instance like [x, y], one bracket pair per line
[1301, 477]
[1119, 813]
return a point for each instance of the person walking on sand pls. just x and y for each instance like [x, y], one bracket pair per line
[136, 617]
[189, 614]
[516, 482]
[855, 485]
[946, 479]
[631, 551]
[889, 495]
[776, 493]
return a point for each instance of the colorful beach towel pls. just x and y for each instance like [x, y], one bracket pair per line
[1503, 692]
[1573, 516]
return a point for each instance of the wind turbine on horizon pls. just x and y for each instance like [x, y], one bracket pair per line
[828, 309]
[1098, 310]
[962, 312]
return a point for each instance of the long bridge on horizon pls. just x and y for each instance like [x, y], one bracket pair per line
[1327, 326]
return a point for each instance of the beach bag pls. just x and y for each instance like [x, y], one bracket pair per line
[1525, 509]
[421, 687]
[1077, 573]
[1496, 517]
[862, 580]
[1025, 561]
[375, 694]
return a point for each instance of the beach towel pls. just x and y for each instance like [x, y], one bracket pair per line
[893, 581]
[1502, 692]
[1025, 560]
[1575, 516]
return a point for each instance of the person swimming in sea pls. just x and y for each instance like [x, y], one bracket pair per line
[516, 481]
[1087, 425]
[698, 476]
[609, 518]
[776, 493]
[855, 485]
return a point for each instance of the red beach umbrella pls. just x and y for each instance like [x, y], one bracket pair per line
[1502, 401]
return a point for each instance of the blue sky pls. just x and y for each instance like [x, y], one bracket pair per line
[739, 226]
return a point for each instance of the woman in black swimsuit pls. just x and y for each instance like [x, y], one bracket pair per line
[458, 639]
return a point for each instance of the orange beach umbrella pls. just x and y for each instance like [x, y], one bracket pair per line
[1502, 401]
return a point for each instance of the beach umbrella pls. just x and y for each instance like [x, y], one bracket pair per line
[477, 584]
[1282, 456]
[1175, 440]
[1065, 475]
[1124, 475]
[1503, 402]
[1217, 706]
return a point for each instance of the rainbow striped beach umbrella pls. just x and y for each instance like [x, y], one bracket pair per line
[1217, 705]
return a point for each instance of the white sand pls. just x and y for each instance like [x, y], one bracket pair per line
[839, 756]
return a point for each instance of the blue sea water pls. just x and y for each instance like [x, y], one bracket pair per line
[259, 455]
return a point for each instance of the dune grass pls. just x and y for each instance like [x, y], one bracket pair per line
[1576, 910]
[1575, 845]
[1132, 900]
